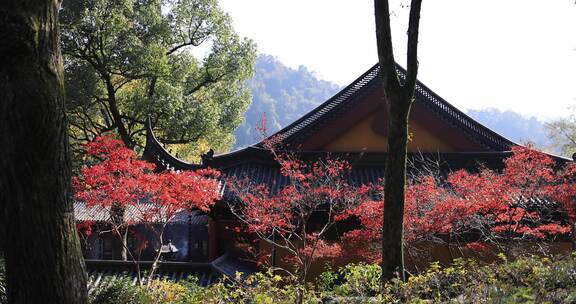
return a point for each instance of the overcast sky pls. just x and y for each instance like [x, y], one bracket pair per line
[508, 54]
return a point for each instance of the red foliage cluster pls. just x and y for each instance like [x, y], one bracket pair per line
[119, 180]
[482, 209]
[298, 216]
[119, 183]
[564, 191]
[84, 228]
[521, 202]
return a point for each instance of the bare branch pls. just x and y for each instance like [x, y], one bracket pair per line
[412, 55]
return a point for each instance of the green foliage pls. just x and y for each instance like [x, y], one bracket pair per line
[359, 280]
[272, 288]
[525, 280]
[282, 95]
[327, 281]
[118, 290]
[177, 61]
[436, 284]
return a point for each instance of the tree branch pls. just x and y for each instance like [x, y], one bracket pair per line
[208, 79]
[412, 55]
[385, 50]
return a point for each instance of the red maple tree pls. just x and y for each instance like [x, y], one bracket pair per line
[564, 191]
[481, 210]
[298, 217]
[118, 181]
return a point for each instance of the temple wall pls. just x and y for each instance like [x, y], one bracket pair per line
[420, 257]
[364, 137]
[102, 245]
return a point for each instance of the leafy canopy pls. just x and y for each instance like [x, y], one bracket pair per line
[178, 62]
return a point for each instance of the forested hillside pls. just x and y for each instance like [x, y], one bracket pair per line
[282, 95]
[514, 126]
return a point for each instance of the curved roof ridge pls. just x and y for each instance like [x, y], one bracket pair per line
[154, 152]
[366, 81]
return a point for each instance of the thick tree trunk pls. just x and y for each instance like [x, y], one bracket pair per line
[395, 187]
[42, 250]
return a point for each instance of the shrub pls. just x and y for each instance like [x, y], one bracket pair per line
[118, 290]
[361, 280]
[196, 294]
[166, 291]
[525, 280]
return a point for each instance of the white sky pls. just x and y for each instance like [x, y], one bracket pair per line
[508, 54]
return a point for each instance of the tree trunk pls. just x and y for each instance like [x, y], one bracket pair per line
[395, 187]
[120, 250]
[42, 249]
[398, 99]
[573, 237]
[116, 114]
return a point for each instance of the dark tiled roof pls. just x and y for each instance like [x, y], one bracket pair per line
[101, 214]
[343, 98]
[229, 265]
[366, 167]
[105, 272]
[296, 132]
[259, 164]
[154, 152]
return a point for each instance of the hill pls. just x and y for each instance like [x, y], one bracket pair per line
[282, 95]
[514, 126]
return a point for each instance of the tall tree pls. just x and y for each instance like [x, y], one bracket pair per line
[43, 258]
[178, 61]
[398, 97]
[562, 133]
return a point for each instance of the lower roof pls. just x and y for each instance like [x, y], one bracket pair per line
[101, 273]
[98, 213]
[259, 167]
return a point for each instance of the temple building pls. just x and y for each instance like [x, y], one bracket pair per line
[351, 125]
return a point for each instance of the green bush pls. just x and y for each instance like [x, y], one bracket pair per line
[268, 288]
[525, 280]
[118, 290]
[361, 280]
[437, 283]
